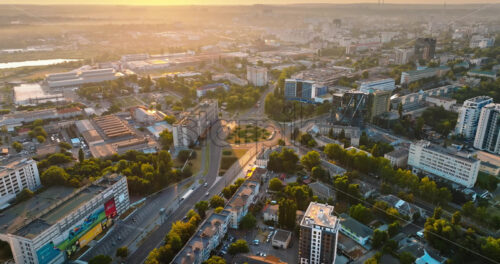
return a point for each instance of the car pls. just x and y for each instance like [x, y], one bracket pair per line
[207, 194]
[256, 242]
[205, 185]
[268, 239]
[194, 188]
[271, 228]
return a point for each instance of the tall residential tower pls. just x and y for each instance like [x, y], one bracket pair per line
[488, 129]
[468, 116]
[318, 235]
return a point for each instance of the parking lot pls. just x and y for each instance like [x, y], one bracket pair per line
[262, 247]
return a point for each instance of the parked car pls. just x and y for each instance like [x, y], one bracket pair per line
[256, 242]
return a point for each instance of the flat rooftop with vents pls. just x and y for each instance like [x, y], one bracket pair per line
[319, 215]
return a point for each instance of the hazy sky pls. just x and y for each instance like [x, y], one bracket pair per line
[236, 2]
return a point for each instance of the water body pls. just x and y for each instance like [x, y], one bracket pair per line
[17, 64]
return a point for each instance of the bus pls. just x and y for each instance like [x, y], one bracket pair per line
[186, 195]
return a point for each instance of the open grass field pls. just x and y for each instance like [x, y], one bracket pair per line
[247, 134]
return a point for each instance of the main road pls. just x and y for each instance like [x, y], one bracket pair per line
[215, 186]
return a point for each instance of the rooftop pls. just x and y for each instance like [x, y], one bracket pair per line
[464, 156]
[282, 235]
[14, 163]
[320, 215]
[354, 226]
[30, 218]
[397, 153]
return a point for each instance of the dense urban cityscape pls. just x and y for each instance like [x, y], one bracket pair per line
[304, 133]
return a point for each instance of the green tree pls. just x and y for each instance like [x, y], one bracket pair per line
[65, 145]
[275, 185]
[215, 260]
[361, 213]
[81, 155]
[24, 195]
[287, 214]
[122, 252]
[468, 209]
[240, 246]
[400, 110]
[166, 139]
[201, 207]
[318, 173]
[393, 228]
[310, 160]
[456, 217]
[54, 175]
[219, 209]
[101, 259]
[217, 201]
[170, 119]
[379, 238]
[248, 221]
[406, 258]
[17, 146]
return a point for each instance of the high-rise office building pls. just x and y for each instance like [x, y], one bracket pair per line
[488, 129]
[257, 76]
[15, 176]
[303, 90]
[449, 164]
[318, 235]
[379, 103]
[468, 116]
[425, 48]
[403, 56]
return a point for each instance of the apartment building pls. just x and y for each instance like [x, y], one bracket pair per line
[318, 235]
[398, 157]
[488, 129]
[15, 176]
[478, 41]
[59, 228]
[468, 116]
[238, 205]
[195, 123]
[415, 75]
[455, 166]
[206, 239]
[257, 76]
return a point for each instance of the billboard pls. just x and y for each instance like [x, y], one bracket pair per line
[72, 235]
[87, 237]
[47, 253]
[110, 208]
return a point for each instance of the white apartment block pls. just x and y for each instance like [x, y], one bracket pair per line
[478, 41]
[468, 116]
[413, 76]
[257, 76]
[454, 166]
[195, 124]
[488, 129]
[16, 176]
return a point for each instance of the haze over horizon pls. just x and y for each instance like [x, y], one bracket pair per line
[237, 2]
